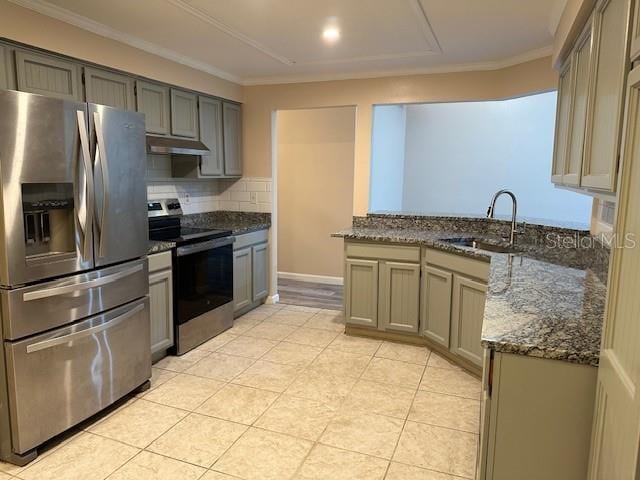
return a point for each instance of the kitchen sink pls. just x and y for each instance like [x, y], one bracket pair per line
[479, 244]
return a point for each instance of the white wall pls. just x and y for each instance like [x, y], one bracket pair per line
[245, 194]
[457, 155]
[387, 157]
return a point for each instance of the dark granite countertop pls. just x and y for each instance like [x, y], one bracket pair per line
[237, 222]
[156, 246]
[535, 305]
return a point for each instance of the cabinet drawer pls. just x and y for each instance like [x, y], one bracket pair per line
[83, 368]
[251, 238]
[383, 251]
[159, 261]
[458, 263]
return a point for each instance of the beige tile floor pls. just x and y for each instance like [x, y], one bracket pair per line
[283, 394]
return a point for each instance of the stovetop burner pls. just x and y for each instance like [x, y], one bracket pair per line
[169, 230]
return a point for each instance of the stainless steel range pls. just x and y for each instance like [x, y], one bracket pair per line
[202, 275]
[73, 267]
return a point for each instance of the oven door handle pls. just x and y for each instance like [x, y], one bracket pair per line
[55, 341]
[202, 246]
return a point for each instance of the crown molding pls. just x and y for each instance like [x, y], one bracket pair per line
[67, 16]
[455, 68]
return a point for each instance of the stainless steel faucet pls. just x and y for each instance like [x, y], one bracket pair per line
[514, 212]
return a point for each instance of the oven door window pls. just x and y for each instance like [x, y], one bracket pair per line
[204, 281]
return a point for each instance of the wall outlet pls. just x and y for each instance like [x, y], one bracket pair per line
[254, 197]
[187, 198]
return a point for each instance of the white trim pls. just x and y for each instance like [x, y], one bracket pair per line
[304, 277]
[464, 67]
[273, 299]
[92, 26]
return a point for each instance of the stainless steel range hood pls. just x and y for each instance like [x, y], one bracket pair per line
[179, 146]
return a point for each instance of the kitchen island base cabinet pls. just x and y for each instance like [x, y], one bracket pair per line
[552, 440]
[402, 291]
[250, 271]
[399, 302]
[435, 304]
[467, 314]
[161, 303]
[361, 292]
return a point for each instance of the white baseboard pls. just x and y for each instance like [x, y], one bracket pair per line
[273, 299]
[303, 277]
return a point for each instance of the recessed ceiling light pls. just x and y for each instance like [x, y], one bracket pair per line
[331, 34]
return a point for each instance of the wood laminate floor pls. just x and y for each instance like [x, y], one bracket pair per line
[307, 294]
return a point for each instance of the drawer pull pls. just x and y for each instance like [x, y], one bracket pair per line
[78, 287]
[52, 342]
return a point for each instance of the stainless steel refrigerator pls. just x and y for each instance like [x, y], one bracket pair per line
[73, 267]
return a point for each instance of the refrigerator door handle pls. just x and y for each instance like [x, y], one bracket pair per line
[52, 342]
[101, 154]
[85, 211]
[78, 287]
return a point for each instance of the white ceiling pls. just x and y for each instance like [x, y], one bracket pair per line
[271, 41]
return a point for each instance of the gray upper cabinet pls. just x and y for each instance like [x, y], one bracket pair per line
[467, 314]
[435, 304]
[635, 33]
[609, 71]
[210, 114]
[184, 114]
[6, 70]
[260, 268]
[153, 101]
[47, 75]
[108, 88]
[563, 112]
[578, 116]
[399, 296]
[232, 122]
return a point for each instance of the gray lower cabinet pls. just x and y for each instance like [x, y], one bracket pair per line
[109, 88]
[242, 279]
[184, 114]
[232, 133]
[153, 101]
[435, 304]
[361, 292]
[161, 301]
[552, 443]
[250, 270]
[210, 115]
[47, 75]
[467, 314]
[399, 292]
[260, 271]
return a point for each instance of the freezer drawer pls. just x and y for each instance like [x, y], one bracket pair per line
[57, 379]
[33, 309]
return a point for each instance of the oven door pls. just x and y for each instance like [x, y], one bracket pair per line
[203, 278]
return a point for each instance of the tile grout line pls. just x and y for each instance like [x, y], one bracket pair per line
[395, 448]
